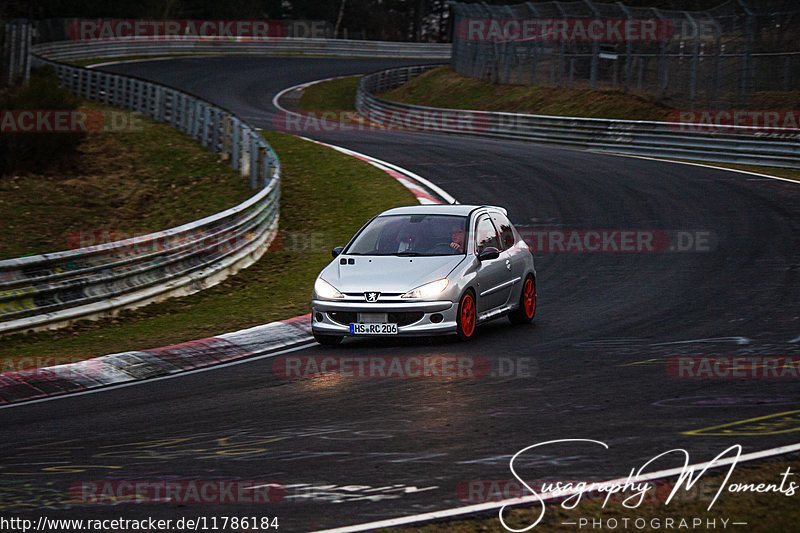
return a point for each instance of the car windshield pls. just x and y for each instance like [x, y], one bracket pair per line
[411, 235]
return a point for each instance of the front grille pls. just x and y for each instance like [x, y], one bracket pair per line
[383, 295]
[401, 318]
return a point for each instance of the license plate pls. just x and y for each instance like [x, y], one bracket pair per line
[372, 328]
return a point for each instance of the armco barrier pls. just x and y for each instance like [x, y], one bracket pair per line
[736, 144]
[143, 46]
[54, 289]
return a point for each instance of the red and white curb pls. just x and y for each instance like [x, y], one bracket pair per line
[121, 368]
[425, 191]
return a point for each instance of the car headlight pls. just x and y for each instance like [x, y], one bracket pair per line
[429, 290]
[323, 289]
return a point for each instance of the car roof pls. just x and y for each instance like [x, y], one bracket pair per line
[439, 209]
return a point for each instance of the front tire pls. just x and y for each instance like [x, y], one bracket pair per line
[527, 303]
[467, 316]
[328, 340]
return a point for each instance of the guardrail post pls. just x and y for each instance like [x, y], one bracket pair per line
[205, 136]
[106, 89]
[161, 104]
[216, 121]
[244, 163]
[267, 162]
[180, 115]
[227, 132]
[254, 165]
[79, 83]
[194, 125]
[173, 108]
[186, 114]
[236, 144]
[119, 89]
[263, 163]
[91, 83]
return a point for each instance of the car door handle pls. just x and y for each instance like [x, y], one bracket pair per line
[508, 264]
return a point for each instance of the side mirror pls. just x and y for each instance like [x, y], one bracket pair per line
[336, 251]
[488, 254]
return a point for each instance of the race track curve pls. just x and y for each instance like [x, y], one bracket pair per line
[595, 362]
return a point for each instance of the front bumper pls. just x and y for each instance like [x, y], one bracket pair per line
[326, 316]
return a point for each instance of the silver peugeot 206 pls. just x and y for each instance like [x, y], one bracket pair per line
[425, 270]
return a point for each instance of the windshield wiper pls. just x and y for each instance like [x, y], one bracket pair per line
[407, 254]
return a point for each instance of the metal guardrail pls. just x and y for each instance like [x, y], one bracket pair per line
[49, 290]
[72, 50]
[734, 144]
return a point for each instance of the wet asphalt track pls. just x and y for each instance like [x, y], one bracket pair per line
[606, 324]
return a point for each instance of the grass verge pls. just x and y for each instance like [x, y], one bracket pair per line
[325, 197]
[766, 512]
[441, 87]
[332, 95]
[143, 178]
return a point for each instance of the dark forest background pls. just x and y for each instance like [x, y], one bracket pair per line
[416, 20]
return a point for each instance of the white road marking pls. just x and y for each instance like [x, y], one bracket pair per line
[796, 182]
[490, 506]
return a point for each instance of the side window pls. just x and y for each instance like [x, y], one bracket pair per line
[485, 235]
[507, 238]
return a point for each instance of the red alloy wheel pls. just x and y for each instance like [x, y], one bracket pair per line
[529, 298]
[466, 316]
[527, 303]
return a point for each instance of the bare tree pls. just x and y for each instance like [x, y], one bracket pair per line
[339, 20]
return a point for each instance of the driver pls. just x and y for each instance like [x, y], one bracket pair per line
[457, 239]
